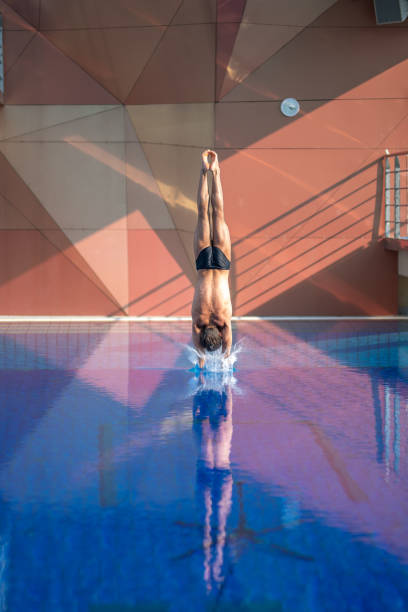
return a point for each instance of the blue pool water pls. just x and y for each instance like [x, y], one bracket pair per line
[129, 481]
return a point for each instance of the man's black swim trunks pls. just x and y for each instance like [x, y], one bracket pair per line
[212, 258]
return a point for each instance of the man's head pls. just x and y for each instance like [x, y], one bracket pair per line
[210, 338]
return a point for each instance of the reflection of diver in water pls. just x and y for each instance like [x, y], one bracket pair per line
[212, 412]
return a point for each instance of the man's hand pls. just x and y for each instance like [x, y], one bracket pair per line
[205, 165]
[213, 157]
[226, 340]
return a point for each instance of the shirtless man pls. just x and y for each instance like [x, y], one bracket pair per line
[211, 310]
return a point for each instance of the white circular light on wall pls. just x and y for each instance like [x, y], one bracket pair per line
[290, 107]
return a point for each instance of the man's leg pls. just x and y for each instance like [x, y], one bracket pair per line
[202, 234]
[221, 235]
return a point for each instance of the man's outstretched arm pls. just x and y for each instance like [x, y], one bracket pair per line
[196, 342]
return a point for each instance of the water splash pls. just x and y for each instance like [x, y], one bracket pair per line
[215, 361]
[212, 381]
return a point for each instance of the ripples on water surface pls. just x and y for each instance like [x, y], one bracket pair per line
[130, 481]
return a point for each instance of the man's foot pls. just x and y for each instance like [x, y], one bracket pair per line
[205, 164]
[213, 157]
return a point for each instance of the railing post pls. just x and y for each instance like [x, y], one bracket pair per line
[387, 197]
[397, 197]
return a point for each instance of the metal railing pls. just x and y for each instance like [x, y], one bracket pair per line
[395, 196]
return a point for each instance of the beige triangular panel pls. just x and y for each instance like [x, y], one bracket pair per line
[103, 126]
[174, 124]
[106, 252]
[20, 209]
[18, 120]
[81, 184]
[11, 218]
[145, 206]
[175, 166]
[114, 57]
[177, 170]
[254, 44]
[290, 12]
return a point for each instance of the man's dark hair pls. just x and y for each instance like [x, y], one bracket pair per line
[210, 338]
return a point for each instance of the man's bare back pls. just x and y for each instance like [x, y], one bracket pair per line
[211, 309]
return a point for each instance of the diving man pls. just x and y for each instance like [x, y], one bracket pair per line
[211, 309]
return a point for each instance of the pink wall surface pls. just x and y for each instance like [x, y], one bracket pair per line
[107, 108]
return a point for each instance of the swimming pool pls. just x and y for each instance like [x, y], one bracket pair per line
[128, 481]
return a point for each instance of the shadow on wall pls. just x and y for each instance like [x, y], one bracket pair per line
[318, 259]
[321, 256]
[48, 251]
[294, 264]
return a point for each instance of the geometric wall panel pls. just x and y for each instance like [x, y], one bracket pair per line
[176, 170]
[180, 70]
[59, 14]
[257, 34]
[254, 44]
[305, 184]
[20, 209]
[17, 194]
[398, 137]
[14, 20]
[37, 279]
[146, 208]
[174, 124]
[292, 12]
[95, 199]
[11, 218]
[168, 134]
[44, 75]
[303, 69]
[161, 287]
[59, 240]
[28, 9]
[195, 11]
[106, 252]
[98, 199]
[229, 15]
[14, 43]
[226, 36]
[336, 124]
[98, 124]
[31, 122]
[114, 57]
[336, 288]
